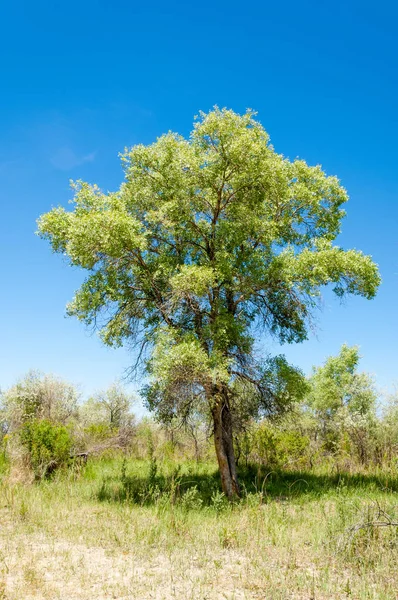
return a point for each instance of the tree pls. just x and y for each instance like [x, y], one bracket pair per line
[111, 407]
[343, 399]
[38, 396]
[209, 241]
[107, 420]
[38, 411]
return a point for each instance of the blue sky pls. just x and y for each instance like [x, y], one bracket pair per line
[82, 80]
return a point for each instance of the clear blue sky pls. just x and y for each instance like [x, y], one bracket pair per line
[82, 80]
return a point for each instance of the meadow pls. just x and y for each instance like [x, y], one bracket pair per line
[122, 528]
[211, 244]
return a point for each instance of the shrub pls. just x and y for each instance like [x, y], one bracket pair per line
[276, 445]
[38, 397]
[97, 432]
[4, 462]
[48, 446]
[191, 500]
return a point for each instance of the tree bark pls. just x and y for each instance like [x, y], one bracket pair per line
[223, 441]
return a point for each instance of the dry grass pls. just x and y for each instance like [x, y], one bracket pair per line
[58, 541]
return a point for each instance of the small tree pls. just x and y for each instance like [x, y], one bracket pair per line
[36, 411]
[111, 407]
[344, 401]
[197, 432]
[208, 242]
[47, 445]
[107, 420]
[38, 396]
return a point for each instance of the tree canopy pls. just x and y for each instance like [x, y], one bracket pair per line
[337, 385]
[38, 396]
[208, 242]
[343, 401]
[110, 407]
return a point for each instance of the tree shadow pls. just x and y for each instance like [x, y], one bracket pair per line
[279, 483]
[204, 489]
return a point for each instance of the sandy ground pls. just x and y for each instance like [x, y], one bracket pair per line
[34, 567]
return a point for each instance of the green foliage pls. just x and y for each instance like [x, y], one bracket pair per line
[38, 396]
[206, 239]
[337, 384]
[386, 446]
[98, 431]
[191, 500]
[272, 389]
[276, 446]
[153, 467]
[344, 405]
[4, 458]
[109, 408]
[48, 445]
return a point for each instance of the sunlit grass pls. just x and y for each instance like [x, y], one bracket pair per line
[117, 529]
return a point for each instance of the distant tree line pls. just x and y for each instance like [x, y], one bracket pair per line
[339, 424]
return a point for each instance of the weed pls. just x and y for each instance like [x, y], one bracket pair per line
[117, 529]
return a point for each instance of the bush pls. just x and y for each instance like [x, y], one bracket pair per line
[48, 446]
[37, 397]
[4, 462]
[278, 447]
[191, 500]
[98, 432]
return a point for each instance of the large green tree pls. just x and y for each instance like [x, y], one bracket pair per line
[209, 241]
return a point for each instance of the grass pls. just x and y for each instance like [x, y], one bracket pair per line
[132, 529]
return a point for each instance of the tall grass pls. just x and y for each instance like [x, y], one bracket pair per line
[123, 528]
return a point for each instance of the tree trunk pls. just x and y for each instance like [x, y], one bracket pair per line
[223, 441]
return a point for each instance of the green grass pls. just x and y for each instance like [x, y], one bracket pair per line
[125, 530]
